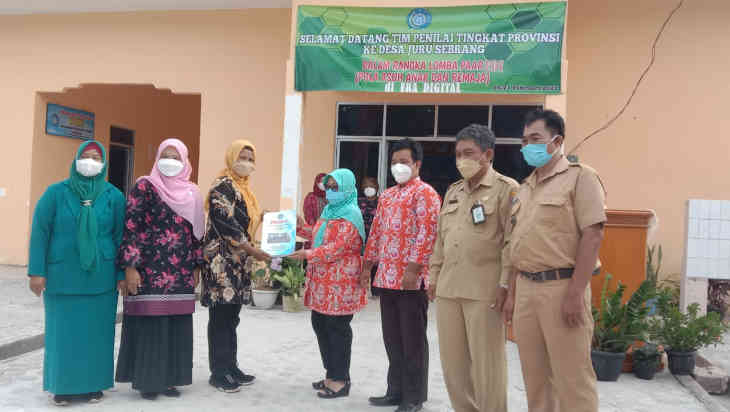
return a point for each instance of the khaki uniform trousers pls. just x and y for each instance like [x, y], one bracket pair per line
[556, 360]
[472, 347]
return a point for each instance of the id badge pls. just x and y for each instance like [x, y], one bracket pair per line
[477, 214]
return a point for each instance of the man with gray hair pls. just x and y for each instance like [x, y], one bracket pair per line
[467, 277]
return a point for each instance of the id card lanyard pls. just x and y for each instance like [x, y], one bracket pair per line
[477, 214]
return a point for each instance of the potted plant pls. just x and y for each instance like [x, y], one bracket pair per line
[617, 326]
[291, 277]
[264, 294]
[646, 361]
[684, 333]
[653, 266]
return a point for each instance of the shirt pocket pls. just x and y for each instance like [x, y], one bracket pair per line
[490, 217]
[553, 213]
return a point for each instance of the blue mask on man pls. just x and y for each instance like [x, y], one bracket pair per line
[536, 154]
[335, 198]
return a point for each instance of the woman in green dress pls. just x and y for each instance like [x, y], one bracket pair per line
[77, 229]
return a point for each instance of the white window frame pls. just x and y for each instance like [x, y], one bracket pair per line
[383, 139]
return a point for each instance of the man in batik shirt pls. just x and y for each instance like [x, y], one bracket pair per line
[401, 242]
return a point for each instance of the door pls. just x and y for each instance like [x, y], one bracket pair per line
[121, 158]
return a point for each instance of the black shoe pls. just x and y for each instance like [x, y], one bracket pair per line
[94, 397]
[171, 392]
[330, 394]
[150, 396]
[62, 400]
[226, 383]
[410, 407]
[242, 378]
[387, 400]
[319, 385]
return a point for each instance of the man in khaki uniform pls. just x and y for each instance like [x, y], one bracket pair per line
[467, 277]
[557, 220]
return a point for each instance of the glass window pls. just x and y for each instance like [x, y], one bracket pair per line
[360, 120]
[454, 118]
[410, 121]
[508, 160]
[509, 121]
[361, 158]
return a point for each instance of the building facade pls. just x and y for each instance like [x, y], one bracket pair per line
[213, 76]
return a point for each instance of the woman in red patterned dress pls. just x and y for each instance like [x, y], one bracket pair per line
[333, 289]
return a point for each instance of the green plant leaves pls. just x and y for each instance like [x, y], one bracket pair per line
[618, 325]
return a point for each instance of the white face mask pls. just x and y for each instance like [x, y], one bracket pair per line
[370, 191]
[320, 185]
[244, 168]
[170, 167]
[401, 172]
[88, 167]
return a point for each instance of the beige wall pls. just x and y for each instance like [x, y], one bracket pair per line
[234, 59]
[664, 150]
[670, 145]
[153, 114]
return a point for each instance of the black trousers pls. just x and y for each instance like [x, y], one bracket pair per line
[222, 339]
[334, 336]
[404, 316]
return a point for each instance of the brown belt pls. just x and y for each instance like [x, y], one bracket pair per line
[552, 274]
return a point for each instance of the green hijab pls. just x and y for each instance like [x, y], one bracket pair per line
[88, 189]
[346, 209]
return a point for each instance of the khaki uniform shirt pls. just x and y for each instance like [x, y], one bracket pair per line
[550, 215]
[467, 257]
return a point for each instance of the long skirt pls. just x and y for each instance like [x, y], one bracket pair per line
[79, 343]
[156, 352]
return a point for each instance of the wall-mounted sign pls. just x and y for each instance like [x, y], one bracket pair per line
[68, 122]
[504, 48]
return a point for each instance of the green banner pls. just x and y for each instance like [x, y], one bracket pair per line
[506, 49]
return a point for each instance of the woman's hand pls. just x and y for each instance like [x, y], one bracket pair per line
[196, 277]
[260, 255]
[37, 284]
[134, 280]
[365, 278]
[300, 254]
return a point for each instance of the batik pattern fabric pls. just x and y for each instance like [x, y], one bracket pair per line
[403, 231]
[226, 278]
[160, 244]
[332, 286]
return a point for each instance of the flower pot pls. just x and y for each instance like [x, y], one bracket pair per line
[645, 369]
[264, 299]
[292, 304]
[681, 363]
[607, 365]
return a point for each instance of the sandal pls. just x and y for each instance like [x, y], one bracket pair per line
[319, 385]
[330, 394]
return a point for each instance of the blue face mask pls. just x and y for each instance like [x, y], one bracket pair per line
[536, 154]
[334, 197]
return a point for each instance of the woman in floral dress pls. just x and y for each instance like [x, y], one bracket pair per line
[233, 219]
[162, 255]
[333, 290]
